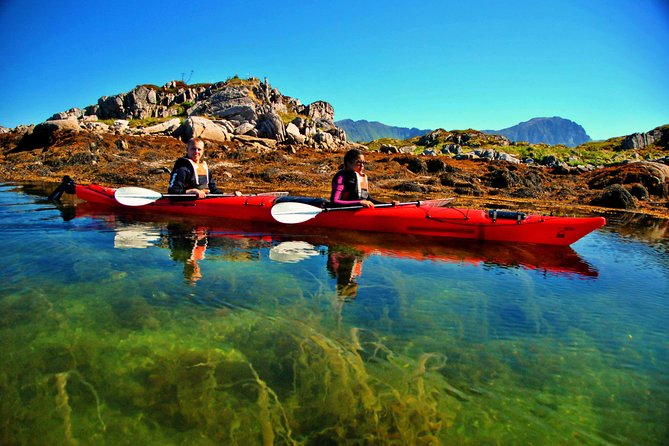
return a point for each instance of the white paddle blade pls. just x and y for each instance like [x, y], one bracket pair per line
[291, 212]
[136, 196]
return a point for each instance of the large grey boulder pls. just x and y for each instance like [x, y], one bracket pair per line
[324, 140]
[73, 113]
[58, 124]
[111, 107]
[231, 103]
[141, 102]
[198, 127]
[271, 126]
[322, 114]
[320, 111]
[293, 134]
[120, 126]
[637, 141]
[167, 127]
[244, 128]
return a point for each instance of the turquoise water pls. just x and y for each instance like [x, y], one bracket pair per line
[123, 329]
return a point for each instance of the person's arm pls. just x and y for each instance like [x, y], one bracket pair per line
[178, 181]
[213, 189]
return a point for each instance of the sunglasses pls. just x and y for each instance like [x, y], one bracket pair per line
[360, 163]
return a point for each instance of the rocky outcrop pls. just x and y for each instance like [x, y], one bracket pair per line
[441, 138]
[526, 184]
[145, 101]
[462, 182]
[616, 197]
[230, 103]
[218, 112]
[652, 176]
[638, 141]
[412, 163]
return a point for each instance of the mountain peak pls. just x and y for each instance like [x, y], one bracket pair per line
[548, 130]
[365, 131]
[553, 131]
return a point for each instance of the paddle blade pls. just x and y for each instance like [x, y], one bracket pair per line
[291, 212]
[136, 196]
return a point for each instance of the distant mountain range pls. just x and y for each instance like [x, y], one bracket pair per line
[551, 131]
[365, 131]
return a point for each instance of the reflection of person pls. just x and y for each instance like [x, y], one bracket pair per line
[189, 247]
[350, 186]
[345, 267]
[190, 174]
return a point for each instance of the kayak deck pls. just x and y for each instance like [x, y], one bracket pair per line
[441, 222]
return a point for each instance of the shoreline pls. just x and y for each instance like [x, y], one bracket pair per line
[115, 160]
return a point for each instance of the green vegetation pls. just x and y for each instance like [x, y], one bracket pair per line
[236, 81]
[147, 122]
[376, 144]
[594, 152]
[289, 116]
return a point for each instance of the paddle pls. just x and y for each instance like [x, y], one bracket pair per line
[138, 196]
[293, 212]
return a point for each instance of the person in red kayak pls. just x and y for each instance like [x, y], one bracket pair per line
[350, 186]
[190, 174]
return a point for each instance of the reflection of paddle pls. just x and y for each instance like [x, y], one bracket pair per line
[294, 212]
[135, 236]
[292, 251]
[138, 196]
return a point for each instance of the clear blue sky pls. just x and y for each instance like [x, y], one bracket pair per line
[483, 64]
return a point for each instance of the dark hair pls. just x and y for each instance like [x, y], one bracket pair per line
[351, 156]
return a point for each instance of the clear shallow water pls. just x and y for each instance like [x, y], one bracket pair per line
[121, 327]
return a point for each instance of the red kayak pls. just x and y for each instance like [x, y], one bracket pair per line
[429, 218]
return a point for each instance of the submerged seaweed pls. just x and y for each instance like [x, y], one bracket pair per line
[78, 373]
[234, 377]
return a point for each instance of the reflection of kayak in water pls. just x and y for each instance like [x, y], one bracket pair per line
[552, 259]
[418, 219]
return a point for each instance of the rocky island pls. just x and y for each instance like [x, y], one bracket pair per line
[260, 140]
